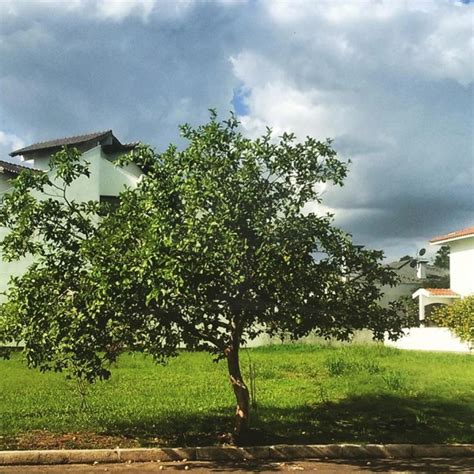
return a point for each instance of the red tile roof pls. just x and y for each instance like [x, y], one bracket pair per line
[467, 232]
[441, 292]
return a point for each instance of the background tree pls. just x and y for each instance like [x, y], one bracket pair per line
[459, 317]
[213, 248]
[442, 257]
[409, 309]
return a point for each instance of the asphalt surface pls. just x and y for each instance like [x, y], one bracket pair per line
[464, 465]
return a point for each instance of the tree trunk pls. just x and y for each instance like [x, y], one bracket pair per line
[242, 414]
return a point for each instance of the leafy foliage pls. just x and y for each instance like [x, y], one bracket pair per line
[442, 257]
[436, 281]
[459, 317]
[212, 248]
[47, 306]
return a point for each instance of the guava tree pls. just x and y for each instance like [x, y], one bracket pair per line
[214, 247]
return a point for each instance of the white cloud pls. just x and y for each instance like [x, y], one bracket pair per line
[105, 10]
[289, 109]
[433, 38]
[8, 143]
[274, 100]
[11, 140]
[17, 8]
[448, 51]
[119, 9]
[337, 12]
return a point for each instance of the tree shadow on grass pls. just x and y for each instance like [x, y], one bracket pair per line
[373, 419]
[176, 429]
[362, 419]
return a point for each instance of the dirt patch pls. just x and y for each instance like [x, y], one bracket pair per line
[41, 439]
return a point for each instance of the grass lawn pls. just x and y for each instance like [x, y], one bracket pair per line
[305, 394]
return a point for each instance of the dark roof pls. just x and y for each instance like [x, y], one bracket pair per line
[60, 142]
[14, 168]
[106, 138]
[407, 274]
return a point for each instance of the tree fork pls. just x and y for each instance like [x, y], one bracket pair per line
[241, 391]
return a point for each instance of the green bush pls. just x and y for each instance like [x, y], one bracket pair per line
[459, 317]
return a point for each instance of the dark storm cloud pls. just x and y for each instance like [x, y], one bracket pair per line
[390, 82]
[393, 87]
[77, 72]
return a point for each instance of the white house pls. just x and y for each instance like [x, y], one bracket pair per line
[105, 183]
[461, 269]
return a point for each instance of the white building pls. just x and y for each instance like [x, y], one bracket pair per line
[105, 183]
[461, 269]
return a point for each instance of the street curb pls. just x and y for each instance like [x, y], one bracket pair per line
[233, 453]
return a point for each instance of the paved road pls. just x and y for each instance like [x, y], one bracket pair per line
[464, 465]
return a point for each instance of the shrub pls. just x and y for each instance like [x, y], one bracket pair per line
[459, 317]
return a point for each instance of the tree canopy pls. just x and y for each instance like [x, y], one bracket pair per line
[442, 257]
[213, 247]
[459, 317]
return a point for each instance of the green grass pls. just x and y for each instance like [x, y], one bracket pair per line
[305, 394]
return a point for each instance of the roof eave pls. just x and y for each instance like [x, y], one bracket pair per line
[450, 239]
[35, 148]
[428, 294]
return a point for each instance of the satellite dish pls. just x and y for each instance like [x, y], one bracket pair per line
[421, 252]
[413, 264]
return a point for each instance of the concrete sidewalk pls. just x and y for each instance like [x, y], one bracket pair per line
[237, 454]
[464, 465]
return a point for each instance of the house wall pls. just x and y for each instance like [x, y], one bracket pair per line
[393, 293]
[430, 339]
[6, 268]
[105, 179]
[363, 336]
[461, 265]
[4, 184]
[113, 179]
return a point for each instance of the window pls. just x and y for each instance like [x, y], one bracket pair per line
[112, 201]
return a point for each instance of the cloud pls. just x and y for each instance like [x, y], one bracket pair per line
[391, 82]
[393, 86]
[448, 51]
[431, 38]
[272, 98]
[102, 10]
[8, 142]
[119, 10]
[140, 78]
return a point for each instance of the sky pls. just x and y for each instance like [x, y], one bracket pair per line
[391, 82]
